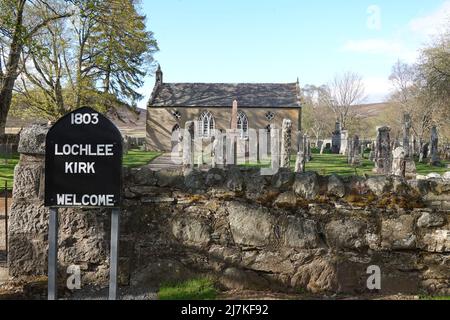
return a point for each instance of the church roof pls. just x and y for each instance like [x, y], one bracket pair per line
[269, 95]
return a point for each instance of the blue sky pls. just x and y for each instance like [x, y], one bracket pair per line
[280, 40]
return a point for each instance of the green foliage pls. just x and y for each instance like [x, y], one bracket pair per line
[196, 289]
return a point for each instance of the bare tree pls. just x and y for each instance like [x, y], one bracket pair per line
[342, 94]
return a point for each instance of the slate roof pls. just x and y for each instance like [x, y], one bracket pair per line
[273, 95]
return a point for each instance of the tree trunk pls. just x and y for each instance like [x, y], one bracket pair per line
[12, 65]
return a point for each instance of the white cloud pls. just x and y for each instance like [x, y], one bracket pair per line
[381, 47]
[434, 23]
[377, 89]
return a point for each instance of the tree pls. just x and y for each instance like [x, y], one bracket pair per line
[123, 49]
[17, 34]
[342, 94]
[316, 117]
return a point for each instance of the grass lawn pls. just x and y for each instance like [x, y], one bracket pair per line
[138, 158]
[196, 289]
[7, 170]
[327, 164]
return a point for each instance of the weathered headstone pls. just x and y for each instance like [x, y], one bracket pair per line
[434, 143]
[308, 152]
[286, 143]
[406, 134]
[424, 150]
[399, 162]
[383, 151]
[188, 143]
[344, 142]
[336, 139]
[300, 163]
[274, 147]
[355, 152]
[372, 151]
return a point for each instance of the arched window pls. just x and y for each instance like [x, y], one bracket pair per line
[206, 124]
[242, 125]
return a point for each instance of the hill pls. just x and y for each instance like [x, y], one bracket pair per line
[130, 121]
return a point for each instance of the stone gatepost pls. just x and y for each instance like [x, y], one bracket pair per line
[434, 151]
[383, 151]
[399, 162]
[300, 163]
[188, 143]
[286, 144]
[83, 234]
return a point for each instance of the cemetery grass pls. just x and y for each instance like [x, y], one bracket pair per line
[195, 289]
[327, 164]
[137, 158]
[7, 166]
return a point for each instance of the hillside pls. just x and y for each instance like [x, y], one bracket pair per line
[130, 121]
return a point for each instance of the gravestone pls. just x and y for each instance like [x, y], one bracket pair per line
[188, 144]
[399, 162]
[383, 151]
[434, 143]
[308, 152]
[355, 152]
[286, 143]
[336, 139]
[344, 142]
[424, 150]
[406, 134]
[300, 163]
[372, 151]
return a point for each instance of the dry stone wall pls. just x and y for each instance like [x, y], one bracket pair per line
[288, 232]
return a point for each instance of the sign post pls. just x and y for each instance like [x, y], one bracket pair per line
[83, 169]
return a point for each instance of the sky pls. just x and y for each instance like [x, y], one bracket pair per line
[279, 40]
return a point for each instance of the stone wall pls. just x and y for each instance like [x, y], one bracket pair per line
[287, 232]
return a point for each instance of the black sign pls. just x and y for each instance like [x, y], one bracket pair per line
[83, 162]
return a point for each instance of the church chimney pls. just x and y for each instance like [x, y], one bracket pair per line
[159, 75]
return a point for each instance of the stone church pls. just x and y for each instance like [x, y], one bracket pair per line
[260, 106]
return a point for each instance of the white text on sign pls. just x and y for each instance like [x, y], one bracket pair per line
[84, 119]
[100, 150]
[87, 200]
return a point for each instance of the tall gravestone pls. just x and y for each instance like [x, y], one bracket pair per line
[383, 151]
[344, 142]
[434, 144]
[286, 143]
[406, 134]
[336, 139]
[300, 163]
[188, 144]
[355, 151]
[399, 162]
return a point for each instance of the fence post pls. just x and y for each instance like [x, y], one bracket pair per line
[6, 218]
